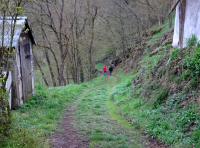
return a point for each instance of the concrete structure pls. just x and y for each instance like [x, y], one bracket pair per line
[20, 83]
[187, 21]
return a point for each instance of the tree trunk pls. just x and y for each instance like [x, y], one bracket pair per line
[41, 71]
[50, 68]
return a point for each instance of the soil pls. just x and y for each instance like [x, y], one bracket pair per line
[153, 143]
[69, 137]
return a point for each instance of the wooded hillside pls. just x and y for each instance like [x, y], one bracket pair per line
[73, 34]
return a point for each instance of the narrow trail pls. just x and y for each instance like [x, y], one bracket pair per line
[94, 116]
[69, 136]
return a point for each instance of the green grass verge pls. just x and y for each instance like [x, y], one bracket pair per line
[34, 122]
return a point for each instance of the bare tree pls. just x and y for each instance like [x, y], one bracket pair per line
[69, 30]
[93, 16]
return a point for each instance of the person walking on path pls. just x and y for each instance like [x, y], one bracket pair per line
[111, 69]
[105, 70]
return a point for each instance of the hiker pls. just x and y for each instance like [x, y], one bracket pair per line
[105, 70]
[111, 69]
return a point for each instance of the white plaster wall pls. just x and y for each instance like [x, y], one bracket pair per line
[192, 22]
[176, 29]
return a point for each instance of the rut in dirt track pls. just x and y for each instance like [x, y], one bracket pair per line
[67, 136]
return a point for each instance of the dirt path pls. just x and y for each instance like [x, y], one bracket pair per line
[68, 137]
[95, 116]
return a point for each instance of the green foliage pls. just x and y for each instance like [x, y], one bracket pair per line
[4, 115]
[192, 63]
[38, 118]
[196, 137]
[99, 66]
[20, 10]
[186, 75]
[187, 117]
[194, 82]
[161, 97]
[167, 122]
[175, 54]
[192, 42]
[159, 34]
[37, 100]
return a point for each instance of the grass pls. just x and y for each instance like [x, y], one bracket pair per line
[37, 119]
[97, 118]
[161, 114]
[155, 38]
[165, 123]
[114, 114]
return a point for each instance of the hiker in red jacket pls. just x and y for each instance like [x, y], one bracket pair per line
[105, 70]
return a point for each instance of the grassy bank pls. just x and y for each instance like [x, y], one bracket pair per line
[161, 97]
[169, 123]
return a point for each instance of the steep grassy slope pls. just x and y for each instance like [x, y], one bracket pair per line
[162, 97]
